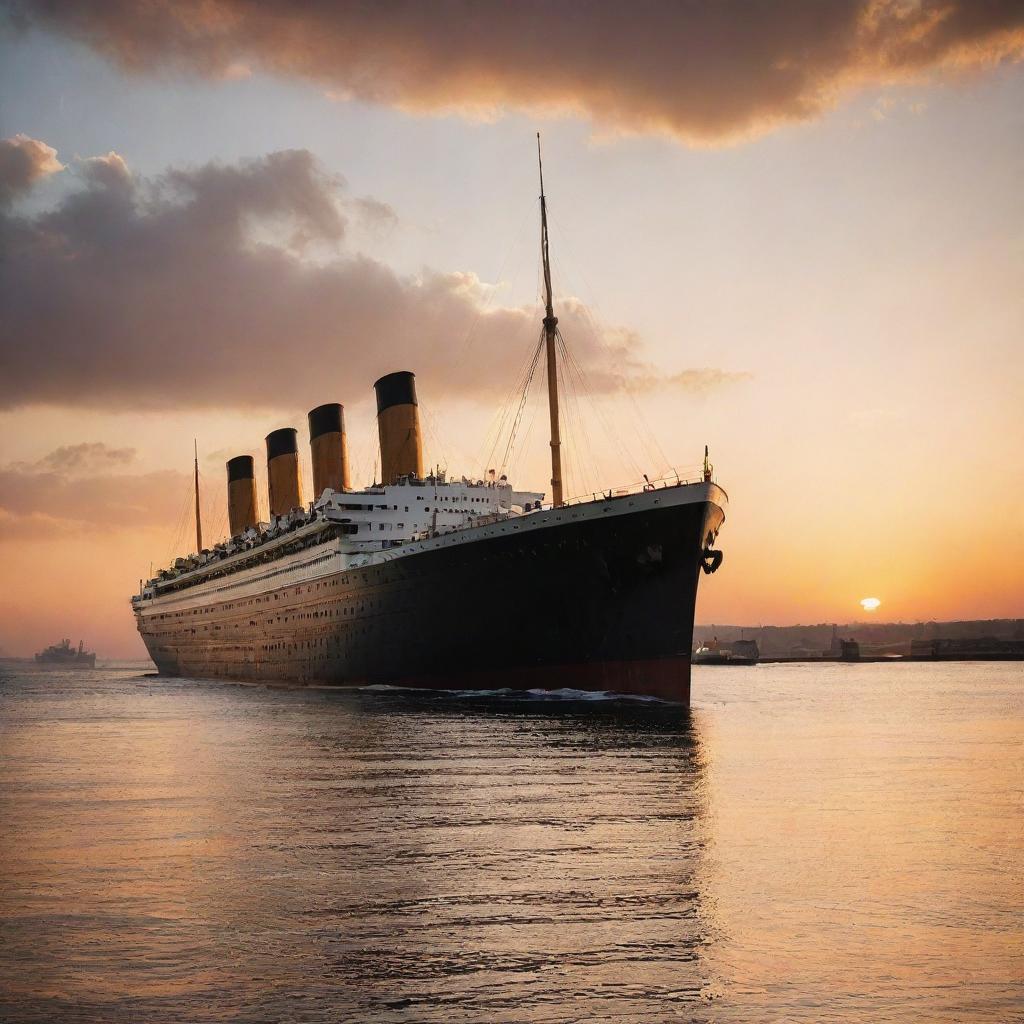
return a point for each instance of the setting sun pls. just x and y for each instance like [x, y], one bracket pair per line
[869, 604]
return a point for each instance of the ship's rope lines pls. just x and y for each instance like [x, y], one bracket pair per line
[496, 427]
[580, 444]
[215, 513]
[580, 386]
[500, 419]
[574, 477]
[572, 468]
[579, 453]
[179, 527]
[359, 455]
[364, 465]
[440, 456]
[524, 393]
[517, 398]
[512, 403]
[533, 409]
[646, 436]
[445, 444]
[518, 395]
[614, 436]
[504, 412]
[591, 311]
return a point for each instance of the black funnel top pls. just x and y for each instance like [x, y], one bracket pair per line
[282, 442]
[326, 419]
[395, 389]
[241, 468]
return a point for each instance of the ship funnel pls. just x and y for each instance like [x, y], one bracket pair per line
[283, 470]
[398, 423]
[329, 448]
[242, 512]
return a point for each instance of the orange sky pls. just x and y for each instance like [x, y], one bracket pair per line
[817, 274]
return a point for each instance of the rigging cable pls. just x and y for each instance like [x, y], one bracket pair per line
[629, 464]
[517, 390]
[522, 401]
[590, 310]
[179, 526]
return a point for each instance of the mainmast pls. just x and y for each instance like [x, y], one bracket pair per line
[550, 334]
[199, 524]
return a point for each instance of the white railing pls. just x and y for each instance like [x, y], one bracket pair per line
[693, 476]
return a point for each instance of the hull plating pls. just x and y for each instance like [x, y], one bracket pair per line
[602, 604]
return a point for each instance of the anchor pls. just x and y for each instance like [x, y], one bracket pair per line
[711, 560]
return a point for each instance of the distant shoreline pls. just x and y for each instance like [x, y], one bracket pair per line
[954, 640]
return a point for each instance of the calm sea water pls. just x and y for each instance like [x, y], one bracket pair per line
[808, 843]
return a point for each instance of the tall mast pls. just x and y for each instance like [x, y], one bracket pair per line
[550, 333]
[199, 523]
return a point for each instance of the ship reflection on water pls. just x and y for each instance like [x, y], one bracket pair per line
[802, 850]
[526, 852]
[277, 854]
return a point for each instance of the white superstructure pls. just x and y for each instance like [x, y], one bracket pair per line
[385, 516]
[367, 521]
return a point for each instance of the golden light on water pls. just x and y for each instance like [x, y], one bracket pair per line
[869, 604]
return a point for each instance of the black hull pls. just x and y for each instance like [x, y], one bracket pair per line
[605, 603]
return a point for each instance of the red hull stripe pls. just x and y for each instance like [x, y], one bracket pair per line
[667, 678]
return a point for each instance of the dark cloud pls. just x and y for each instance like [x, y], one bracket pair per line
[23, 161]
[693, 69]
[168, 293]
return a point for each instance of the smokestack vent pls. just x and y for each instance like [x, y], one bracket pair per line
[328, 448]
[283, 470]
[242, 510]
[398, 424]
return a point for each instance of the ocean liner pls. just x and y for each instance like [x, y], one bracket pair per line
[423, 580]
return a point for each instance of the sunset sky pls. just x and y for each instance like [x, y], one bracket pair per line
[792, 231]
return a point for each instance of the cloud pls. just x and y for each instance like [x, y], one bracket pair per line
[375, 214]
[698, 381]
[16, 529]
[23, 161]
[176, 292]
[87, 457]
[108, 171]
[698, 71]
[52, 499]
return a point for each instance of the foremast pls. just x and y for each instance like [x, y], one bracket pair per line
[550, 337]
[199, 522]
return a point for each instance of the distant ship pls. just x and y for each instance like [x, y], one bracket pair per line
[428, 581]
[740, 652]
[67, 656]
